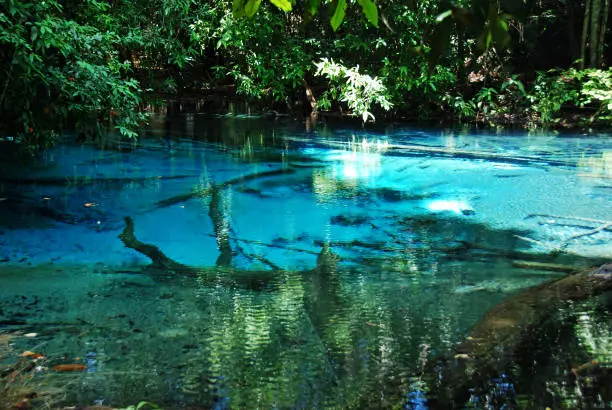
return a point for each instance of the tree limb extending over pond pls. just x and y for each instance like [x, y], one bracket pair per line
[493, 341]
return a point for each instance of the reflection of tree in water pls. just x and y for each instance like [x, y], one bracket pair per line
[348, 336]
[310, 341]
[355, 332]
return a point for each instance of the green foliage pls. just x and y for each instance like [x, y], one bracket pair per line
[261, 58]
[596, 91]
[56, 69]
[337, 17]
[550, 93]
[417, 85]
[358, 91]
[370, 11]
[248, 8]
[589, 89]
[70, 62]
[465, 110]
[486, 100]
[284, 5]
[485, 20]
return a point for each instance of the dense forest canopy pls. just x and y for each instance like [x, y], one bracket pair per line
[99, 64]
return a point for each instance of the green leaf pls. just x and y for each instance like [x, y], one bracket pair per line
[444, 15]
[485, 39]
[312, 6]
[34, 33]
[338, 14]
[284, 5]
[238, 8]
[251, 7]
[499, 32]
[370, 10]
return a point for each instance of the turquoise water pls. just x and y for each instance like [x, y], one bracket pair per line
[429, 227]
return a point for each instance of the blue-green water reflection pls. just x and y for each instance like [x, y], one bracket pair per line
[428, 227]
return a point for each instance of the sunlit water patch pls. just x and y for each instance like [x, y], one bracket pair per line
[431, 230]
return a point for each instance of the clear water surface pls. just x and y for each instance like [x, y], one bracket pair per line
[428, 225]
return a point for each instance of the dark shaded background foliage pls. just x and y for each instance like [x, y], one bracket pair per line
[97, 64]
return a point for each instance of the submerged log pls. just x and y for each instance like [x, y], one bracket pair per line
[414, 149]
[493, 342]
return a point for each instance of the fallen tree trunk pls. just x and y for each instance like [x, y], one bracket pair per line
[492, 342]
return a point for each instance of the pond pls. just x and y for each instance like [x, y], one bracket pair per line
[429, 230]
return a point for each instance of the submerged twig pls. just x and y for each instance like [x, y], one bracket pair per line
[576, 218]
[603, 226]
[589, 233]
[62, 181]
[526, 239]
[553, 267]
[380, 246]
[270, 245]
[266, 261]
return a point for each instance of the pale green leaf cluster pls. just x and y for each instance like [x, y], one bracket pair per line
[359, 91]
[597, 89]
[589, 89]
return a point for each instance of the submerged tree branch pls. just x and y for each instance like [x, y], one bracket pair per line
[603, 226]
[588, 233]
[485, 352]
[159, 259]
[203, 193]
[223, 274]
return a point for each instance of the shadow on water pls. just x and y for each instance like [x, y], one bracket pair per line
[363, 332]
